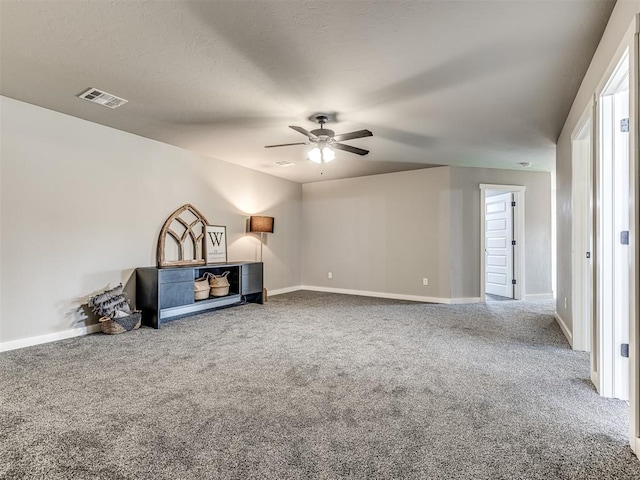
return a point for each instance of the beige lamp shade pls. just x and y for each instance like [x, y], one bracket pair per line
[258, 224]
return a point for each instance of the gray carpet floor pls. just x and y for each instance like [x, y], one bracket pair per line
[497, 298]
[315, 385]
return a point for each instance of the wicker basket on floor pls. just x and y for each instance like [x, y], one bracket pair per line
[113, 326]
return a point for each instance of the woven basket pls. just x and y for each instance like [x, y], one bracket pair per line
[201, 288]
[219, 284]
[113, 326]
[219, 291]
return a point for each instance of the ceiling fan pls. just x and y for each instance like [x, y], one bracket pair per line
[325, 139]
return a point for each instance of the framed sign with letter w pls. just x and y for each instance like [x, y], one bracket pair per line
[215, 244]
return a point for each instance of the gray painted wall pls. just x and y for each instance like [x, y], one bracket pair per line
[82, 206]
[465, 227]
[621, 17]
[381, 233]
[384, 233]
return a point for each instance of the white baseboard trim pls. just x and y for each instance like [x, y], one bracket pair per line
[538, 296]
[393, 296]
[280, 291]
[464, 301]
[564, 328]
[595, 379]
[50, 337]
[635, 446]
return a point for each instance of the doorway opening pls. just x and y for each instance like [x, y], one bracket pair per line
[582, 238]
[502, 242]
[613, 219]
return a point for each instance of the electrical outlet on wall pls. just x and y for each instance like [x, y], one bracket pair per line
[425, 281]
[330, 275]
[565, 302]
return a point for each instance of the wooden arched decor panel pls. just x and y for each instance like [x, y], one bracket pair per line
[184, 229]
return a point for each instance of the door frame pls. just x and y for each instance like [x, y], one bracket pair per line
[518, 235]
[629, 41]
[607, 273]
[583, 327]
[634, 244]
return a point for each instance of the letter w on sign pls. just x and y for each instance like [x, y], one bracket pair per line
[216, 238]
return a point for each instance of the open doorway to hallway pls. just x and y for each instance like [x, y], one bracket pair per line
[613, 217]
[582, 206]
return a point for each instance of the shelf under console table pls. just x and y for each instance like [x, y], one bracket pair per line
[167, 293]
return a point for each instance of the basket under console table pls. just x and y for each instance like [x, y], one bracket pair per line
[167, 293]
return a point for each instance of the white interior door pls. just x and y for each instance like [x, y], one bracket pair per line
[498, 245]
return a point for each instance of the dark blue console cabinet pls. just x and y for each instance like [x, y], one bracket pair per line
[164, 294]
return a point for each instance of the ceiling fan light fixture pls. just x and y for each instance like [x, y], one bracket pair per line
[318, 155]
[328, 154]
[323, 138]
[315, 155]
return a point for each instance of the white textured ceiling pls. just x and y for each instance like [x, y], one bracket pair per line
[474, 83]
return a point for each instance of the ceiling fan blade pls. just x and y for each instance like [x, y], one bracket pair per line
[284, 145]
[349, 148]
[351, 135]
[304, 132]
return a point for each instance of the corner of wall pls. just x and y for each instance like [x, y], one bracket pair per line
[565, 329]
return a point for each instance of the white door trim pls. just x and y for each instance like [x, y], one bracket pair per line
[613, 216]
[630, 40]
[634, 244]
[582, 324]
[595, 327]
[518, 221]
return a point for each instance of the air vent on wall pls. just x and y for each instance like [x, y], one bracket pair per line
[284, 163]
[102, 98]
